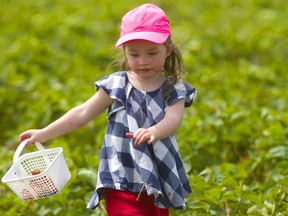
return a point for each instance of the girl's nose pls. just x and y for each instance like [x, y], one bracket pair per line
[143, 60]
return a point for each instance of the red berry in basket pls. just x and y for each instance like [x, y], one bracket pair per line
[35, 172]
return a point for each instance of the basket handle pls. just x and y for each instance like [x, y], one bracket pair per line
[18, 152]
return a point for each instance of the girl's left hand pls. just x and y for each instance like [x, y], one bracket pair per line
[142, 135]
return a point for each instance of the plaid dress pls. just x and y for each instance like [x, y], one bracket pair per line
[156, 169]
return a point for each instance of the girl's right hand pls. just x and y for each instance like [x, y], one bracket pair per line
[34, 135]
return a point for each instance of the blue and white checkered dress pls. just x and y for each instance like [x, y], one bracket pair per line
[158, 167]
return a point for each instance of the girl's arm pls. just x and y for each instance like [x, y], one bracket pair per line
[167, 126]
[73, 119]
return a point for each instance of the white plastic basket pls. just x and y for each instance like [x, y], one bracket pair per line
[54, 173]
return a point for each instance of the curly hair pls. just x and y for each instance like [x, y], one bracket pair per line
[173, 67]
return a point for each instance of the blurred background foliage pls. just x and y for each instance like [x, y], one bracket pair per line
[234, 138]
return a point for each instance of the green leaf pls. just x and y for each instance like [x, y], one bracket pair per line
[198, 205]
[278, 152]
[257, 211]
[213, 194]
[88, 176]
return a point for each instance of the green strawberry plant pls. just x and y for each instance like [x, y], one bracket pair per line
[233, 140]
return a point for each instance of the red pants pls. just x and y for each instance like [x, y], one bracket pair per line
[124, 203]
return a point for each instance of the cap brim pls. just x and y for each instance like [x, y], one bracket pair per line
[154, 37]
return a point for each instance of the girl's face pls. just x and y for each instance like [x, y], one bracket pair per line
[145, 58]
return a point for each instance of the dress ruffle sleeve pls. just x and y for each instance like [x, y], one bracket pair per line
[114, 86]
[182, 90]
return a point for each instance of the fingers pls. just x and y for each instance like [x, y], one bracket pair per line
[140, 136]
[32, 135]
[24, 136]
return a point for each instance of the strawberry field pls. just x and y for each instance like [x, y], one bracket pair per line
[233, 140]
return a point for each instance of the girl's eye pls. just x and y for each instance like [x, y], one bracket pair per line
[134, 55]
[153, 53]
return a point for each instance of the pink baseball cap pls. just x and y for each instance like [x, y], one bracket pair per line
[146, 22]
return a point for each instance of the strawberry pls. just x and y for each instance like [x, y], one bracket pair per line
[129, 135]
[35, 172]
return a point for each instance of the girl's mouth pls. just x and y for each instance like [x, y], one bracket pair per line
[144, 70]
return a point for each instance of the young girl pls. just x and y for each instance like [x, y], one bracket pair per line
[140, 170]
